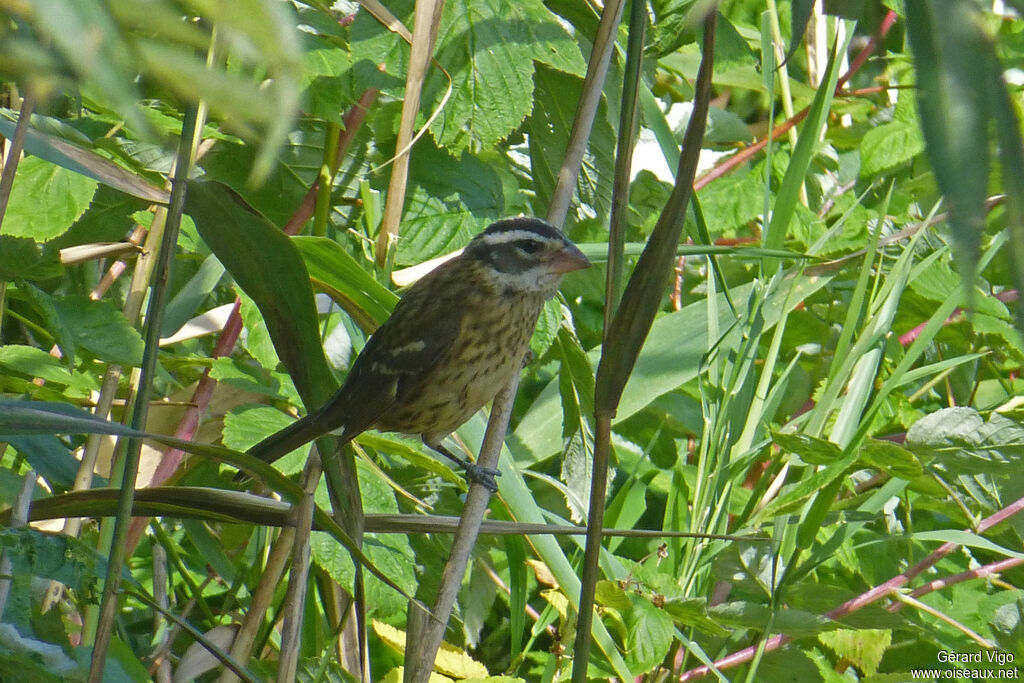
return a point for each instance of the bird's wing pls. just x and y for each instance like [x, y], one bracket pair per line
[396, 360]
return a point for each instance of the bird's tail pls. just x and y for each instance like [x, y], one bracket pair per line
[286, 440]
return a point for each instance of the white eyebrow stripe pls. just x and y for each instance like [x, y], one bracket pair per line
[514, 236]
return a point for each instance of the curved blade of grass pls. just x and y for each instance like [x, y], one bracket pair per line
[800, 162]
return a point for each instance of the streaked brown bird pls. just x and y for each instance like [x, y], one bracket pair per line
[453, 341]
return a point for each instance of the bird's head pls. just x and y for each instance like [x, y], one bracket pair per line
[524, 255]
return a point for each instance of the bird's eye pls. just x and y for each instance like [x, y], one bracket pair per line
[528, 246]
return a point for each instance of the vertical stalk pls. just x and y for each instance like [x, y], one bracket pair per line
[154, 315]
[628, 124]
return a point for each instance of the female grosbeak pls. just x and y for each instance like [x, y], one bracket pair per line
[453, 341]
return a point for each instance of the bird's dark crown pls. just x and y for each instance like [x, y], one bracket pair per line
[519, 254]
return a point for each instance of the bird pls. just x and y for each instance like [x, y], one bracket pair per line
[455, 338]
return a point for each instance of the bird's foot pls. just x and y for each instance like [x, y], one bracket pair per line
[482, 475]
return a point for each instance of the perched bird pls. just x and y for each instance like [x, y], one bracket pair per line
[454, 340]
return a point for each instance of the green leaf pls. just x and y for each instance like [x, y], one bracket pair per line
[246, 425]
[36, 363]
[812, 450]
[1008, 627]
[965, 538]
[390, 553]
[189, 298]
[74, 157]
[863, 647]
[101, 328]
[549, 128]
[693, 612]
[490, 49]
[649, 634]
[45, 200]
[450, 200]
[964, 443]
[787, 198]
[672, 27]
[611, 594]
[885, 147]
[48, 456]
[22, 259]
[792, 622]
[892, 458]
[267, 266]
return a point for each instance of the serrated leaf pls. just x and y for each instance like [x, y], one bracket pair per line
[45, 200]
[101, 328]
[892, 458]
[649, 635]
[863, 647]
[885, 147]
[812, 450]
[964, 443]
[549, 129]
[489, 48]
[450, 200]
[577, 473]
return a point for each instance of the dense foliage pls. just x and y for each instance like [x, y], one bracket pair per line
[829, 388]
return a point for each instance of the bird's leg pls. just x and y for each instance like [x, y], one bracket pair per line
[481, 475]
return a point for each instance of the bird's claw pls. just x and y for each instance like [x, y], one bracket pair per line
[483, 476]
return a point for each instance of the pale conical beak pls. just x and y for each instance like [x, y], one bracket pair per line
[568, 259]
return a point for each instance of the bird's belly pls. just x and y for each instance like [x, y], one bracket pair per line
[478, 366]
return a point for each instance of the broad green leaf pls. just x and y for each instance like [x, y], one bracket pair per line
[100, 328]
[267, 266]
[45, 200]
[450, 200]
[892, 458]
[672, 26]
[1008, 627]
[812, 450]
[22, 258]
[490, 48]
[885, 147]
[863, 647]
[963, 442]
[693, 612]
[247, 425]
[649, 634]
[36, 363]
[549, 128]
